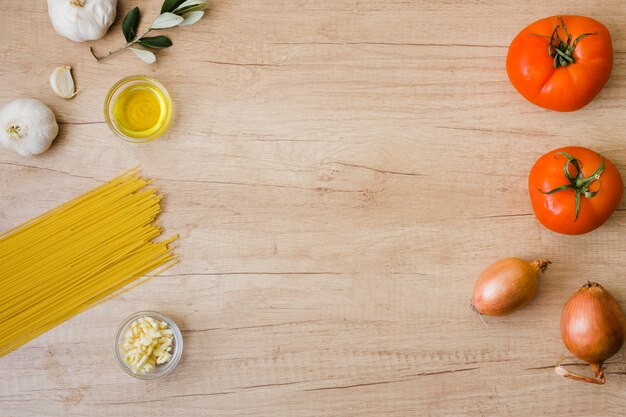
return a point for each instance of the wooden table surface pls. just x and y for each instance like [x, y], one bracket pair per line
[339, 171]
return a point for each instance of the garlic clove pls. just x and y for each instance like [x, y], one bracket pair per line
[62, 82]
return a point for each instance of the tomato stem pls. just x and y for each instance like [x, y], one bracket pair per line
[577, 182]
[562, 51]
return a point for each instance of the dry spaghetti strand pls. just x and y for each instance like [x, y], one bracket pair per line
[77, 255]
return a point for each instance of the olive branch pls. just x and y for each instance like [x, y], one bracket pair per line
[173, 13]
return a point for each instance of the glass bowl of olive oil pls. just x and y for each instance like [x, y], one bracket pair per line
[138, 109]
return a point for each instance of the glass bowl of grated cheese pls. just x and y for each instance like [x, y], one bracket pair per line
[148, 345]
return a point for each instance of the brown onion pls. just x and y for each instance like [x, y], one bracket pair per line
[592, 328]
[506, 286]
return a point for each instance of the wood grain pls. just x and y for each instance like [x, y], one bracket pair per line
[340, 172]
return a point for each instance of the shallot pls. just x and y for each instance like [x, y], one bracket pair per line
[506, 286]
[592, 328]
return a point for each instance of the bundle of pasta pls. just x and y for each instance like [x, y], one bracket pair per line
[77, 255]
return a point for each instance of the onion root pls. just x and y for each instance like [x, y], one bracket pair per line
[599, 377]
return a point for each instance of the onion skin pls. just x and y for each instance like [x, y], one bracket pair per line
[593, 328]
[506, 286]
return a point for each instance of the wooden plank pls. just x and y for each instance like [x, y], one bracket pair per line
[339, 172]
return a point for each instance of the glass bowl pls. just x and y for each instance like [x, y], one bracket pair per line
[163, 98]
[159, 370]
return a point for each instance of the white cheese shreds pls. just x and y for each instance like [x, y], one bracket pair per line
[148, 343]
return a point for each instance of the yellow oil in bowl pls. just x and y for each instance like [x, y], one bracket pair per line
[138, 109]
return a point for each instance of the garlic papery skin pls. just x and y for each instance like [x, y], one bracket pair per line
[62, 82]
[82, 20]
[27, 126]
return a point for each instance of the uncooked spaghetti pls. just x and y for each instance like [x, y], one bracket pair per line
[77, 255]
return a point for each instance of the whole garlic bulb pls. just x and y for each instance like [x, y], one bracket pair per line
[82, 20]
[27, 126]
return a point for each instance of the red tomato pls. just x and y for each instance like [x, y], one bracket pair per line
[574, 190]
[561, 62]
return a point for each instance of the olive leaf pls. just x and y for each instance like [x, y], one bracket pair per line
[156, 42]
[166, 20]
[146, 56]
[191, 9]
[130, 23]
[191, 18]
[170, 5]
[191, 6]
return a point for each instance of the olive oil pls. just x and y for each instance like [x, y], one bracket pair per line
[140, 110]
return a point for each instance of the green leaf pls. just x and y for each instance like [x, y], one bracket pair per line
[191, 4]
[170, 5]
[198, 7]
[146, 56]
[166, 20]
[191, 18]
[130, 23]
[156, 42]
